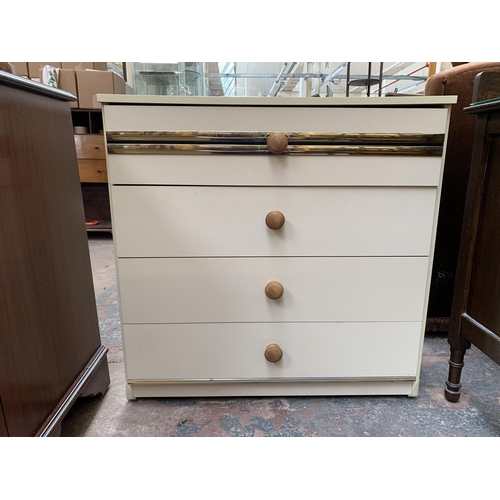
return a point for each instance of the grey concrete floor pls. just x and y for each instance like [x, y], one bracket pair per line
[476, 414]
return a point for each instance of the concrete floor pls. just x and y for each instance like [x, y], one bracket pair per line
[476, 414]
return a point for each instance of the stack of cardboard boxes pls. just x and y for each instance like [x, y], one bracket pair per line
[82, 79]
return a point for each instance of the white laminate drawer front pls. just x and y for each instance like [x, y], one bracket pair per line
[228, 290]
[189, 221]
[274, 119]
[268, 170]
[236, 351]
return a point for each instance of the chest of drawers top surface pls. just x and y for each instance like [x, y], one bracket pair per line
[265, 101]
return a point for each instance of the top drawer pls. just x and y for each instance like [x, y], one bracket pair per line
[275, 119]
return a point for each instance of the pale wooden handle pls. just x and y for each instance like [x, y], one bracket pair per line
[273, 353]
[275, 220]
[277, 143]
[274, 289]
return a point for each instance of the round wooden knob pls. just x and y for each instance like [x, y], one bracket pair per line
[273, 353]
[274, 289]
[277, 143]
[275, 220]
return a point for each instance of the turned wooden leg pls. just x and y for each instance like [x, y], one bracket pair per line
[453, 385]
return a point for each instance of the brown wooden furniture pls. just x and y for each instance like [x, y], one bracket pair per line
[50, 346]
[91, 158]
[91, 154]
[475, 317]
[457, 81]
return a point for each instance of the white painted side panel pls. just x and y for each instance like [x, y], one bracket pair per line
[236, 351]
[186, 221]
[267, 170]
[231, 290]
[289, 119]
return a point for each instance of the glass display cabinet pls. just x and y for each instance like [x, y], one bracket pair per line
[179, 78]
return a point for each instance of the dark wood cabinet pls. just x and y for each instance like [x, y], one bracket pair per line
[475, 318]
[50, 346]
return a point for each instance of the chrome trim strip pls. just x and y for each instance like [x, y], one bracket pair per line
[207, 149]
[260, 137]
[287, 380]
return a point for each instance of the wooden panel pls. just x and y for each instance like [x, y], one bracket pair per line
[93, 170]
[493, 127]
[90, 146]
[481, 337]
[236, 351]
[486, 87]
[3, 426]
[274, 170]
[232, 289]
[48, 316]
[283, 119]
[162, 221]
[484, 289]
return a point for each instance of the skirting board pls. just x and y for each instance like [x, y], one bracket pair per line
[402, 387]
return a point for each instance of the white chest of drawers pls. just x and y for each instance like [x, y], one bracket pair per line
[246, 272]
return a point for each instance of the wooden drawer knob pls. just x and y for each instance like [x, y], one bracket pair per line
[277, 143]
[275, 220]
[273, 353]
[274, 289]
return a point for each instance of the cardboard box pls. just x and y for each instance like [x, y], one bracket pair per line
[20, 68]
[89, 83]
[35, 67]
[67, 82]
[77, 65]
[101, 66]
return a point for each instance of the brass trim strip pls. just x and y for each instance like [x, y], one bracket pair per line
[207, 149]
[260, 137]
[288, 380]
